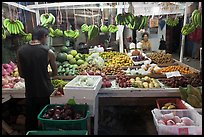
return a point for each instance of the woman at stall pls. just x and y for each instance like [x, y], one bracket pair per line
[146, 45]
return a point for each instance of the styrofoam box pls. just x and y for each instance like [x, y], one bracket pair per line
[179, 130]
[83, 95]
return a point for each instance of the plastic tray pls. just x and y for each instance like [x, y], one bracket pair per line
[161, 101]
[179, 130]
[79, 124]
[62, 132]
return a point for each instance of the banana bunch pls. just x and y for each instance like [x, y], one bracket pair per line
[196, 18]
[133, 22]
[172, 22]
[47, 19]
[27, 37]
[51, 32]
[72, 34]
[124, 18]
[3, 33]
[188, 28]
[13, 26]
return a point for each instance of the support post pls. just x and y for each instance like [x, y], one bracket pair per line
[183, 36]
[37, 14]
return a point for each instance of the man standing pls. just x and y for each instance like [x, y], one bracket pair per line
[32, 61]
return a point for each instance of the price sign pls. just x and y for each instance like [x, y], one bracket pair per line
[173, 74]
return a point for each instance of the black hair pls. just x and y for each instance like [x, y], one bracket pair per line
[39, 32]
[145, 33]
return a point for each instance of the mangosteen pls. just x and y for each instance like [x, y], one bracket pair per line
[66, 106]
[57, 111]
[67, 118]
[46, 116]
[77, 116]
[51, 111]
[58, 107]
[56, 117]
[68, 112]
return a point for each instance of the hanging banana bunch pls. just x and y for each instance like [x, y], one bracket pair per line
[172, 22]
[196, 18]
[13, 26]
[47, 19]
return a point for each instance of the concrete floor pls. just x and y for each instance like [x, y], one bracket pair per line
[195, 63]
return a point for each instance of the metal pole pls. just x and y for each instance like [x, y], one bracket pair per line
[183, 36]
[37, 14]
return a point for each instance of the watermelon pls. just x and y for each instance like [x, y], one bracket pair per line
[64, 49]
[58, 63]
[61, 57]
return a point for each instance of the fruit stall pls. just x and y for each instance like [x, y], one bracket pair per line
[95, 70]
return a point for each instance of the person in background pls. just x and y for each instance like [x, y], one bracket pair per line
[146, 45]
[32, 61]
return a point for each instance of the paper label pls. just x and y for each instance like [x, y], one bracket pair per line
[172, 74]
[183, 131]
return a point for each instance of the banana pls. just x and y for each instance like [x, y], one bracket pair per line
[5, 22]
[145, 21]
[198, 19]
[20, 25]
[53, 19]
[14, 28]
[42, 19]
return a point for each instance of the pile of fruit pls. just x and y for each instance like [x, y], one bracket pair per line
[90, 69]
[66, 69]
[135, 53]
[192, 95]
[106, 82]
[10, 76]
[62, 112]
[68, 63]
[139, 58]
[119, 60]
[145, 82]
[161, 58]
[109, 55]
[183, 81]
[171, 119]
[182, 70]
[123, 81]
[169, 106]
[59, 92]
[112, 70]
[58, 83]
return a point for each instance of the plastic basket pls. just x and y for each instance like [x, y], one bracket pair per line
[79, 124]
[179, 130]
[161, 101]
[62, 132]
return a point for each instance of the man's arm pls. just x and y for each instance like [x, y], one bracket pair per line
[52, 60]
[19, 66]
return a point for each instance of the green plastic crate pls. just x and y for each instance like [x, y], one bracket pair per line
[79, 124]
[62, 132]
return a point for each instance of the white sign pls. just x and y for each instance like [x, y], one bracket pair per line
[173, 74]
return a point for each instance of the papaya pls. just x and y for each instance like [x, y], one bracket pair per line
[194, 101]
[183, 93]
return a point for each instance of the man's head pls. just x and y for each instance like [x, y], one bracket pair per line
[40, 33]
